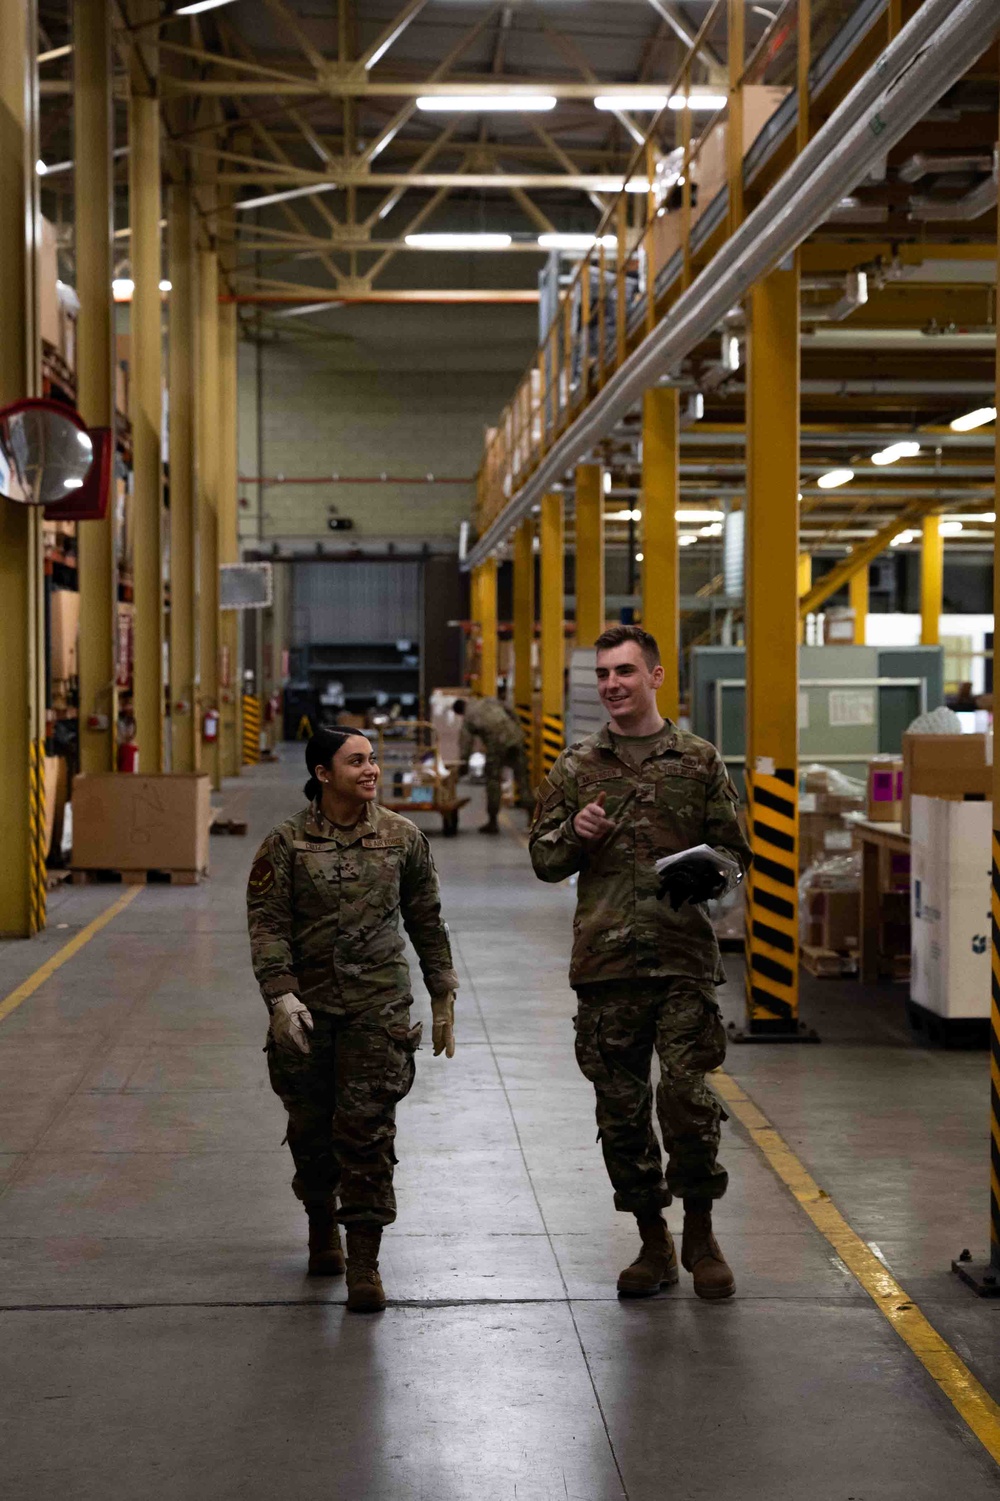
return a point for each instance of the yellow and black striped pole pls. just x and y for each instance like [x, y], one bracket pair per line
[251, 729]
[524, 630]
[553, 630]
[772, 625]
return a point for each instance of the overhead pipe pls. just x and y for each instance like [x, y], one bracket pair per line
[923, 61]
[928, 163]
[973, 205]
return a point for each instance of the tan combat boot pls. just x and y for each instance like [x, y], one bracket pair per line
[364, 1285]
[656, 1264]
[700, 1253]
[326, 1256]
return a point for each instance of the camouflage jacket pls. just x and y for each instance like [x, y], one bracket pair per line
[682, 796]
[323, 908]
[487, 720]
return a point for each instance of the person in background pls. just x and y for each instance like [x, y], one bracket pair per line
[324, 899]
[493, 724]
[645, 969]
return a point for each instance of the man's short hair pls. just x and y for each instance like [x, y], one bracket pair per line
[619, 634]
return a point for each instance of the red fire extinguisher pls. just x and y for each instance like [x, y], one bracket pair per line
[210, 726]
[128, 756]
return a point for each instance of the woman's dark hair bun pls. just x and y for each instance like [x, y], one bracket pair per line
[320, 751]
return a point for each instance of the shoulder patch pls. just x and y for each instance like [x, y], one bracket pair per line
[261, 876]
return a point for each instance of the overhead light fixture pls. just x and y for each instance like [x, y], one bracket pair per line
[691, 518]
[618, 185]
[166, 286]
[606, 481]
[698, 101]
[639, 557]
[559, 240]
[904, 450]
[623, 516]
[978, 418]
[458, 241]
[307, 307]
[901, 538]
[122, 288]
[73, 483]
[975, 518]
[84, 441]
[195, 7]
[715, 530]
[481, 104]
[730, 352]
[687, 539]
[313, 187]
[951, 528]
[618, 102]
[833, 478]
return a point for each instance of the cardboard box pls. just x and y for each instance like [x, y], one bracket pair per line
[64, 630]
[950, 906]
[951, 766]
[123, 822]
[885, 790]
[833, 919]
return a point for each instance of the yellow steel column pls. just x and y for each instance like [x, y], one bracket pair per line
[207, 469]
[805, 577]
[22, 623]
[230, 620]
[931, 581]
[184, 647]
[589, 553]
[660, 568]
[95, 366]
[772, 553]
[487, 618]
[736, 27]
[146, 402]
[995, 898]
[553, 631]
[524, 629]
[858, 587]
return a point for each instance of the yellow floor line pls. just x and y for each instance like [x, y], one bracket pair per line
[45, 971]
[971, 1401]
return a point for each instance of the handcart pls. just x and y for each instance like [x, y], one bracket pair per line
[414, 777]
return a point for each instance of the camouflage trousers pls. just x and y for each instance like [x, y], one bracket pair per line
[341, 1100]
[496, 760]
[618, 1026]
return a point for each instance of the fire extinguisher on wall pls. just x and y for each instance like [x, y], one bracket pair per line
[128, 756]
[210, 726]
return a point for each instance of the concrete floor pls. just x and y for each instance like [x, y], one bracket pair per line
[158, 1338]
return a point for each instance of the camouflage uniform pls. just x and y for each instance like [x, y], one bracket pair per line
[644, 974]
[488, 720]
[323, 909]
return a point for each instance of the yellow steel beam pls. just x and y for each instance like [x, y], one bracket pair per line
[22, 623]
[858, 587]
[553, 631]
[95, 365]
[864, 553]
[736, 23]
[486, 619]
[805, 578]
[589, 553]
[230, 620]
[524, 629]
[185, 750]
[660, 567]
[931, 581]
[772, 564]
[995, 893]
[207, 448]
[145, 402]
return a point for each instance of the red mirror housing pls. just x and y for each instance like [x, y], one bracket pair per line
[90, 502]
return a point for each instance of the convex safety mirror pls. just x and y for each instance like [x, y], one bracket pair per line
[46, 452]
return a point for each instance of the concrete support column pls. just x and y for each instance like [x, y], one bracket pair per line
[553, 630]
[660, 566]
[93, 124]
[772, 634]
[485, 615]
[230, 688]
[859, 604]
[146, 403]
[524, 630]
[589, 553]
[207, 449]
[22, 621]
[931, 581]
[183, 375]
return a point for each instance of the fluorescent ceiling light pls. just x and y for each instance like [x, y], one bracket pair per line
[904, 450]
[715, 530]
[902, 537]
[639, 557]
[698, 101]
[314, 187]
[195, 7]
[978, 418]
[307, 307]
[606, 481]
[72, 483]
[460, 241]
[686, 539]
[835, 477]
[166, 286]
[617, 184]
[617, 102]
[951, 528]
[122, 288]
[623, 516]
[481, 104]
[985, 518]
[692, 517]
[568, 241]
[84, 441]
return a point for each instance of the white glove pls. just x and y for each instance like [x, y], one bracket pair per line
[291, 1024]
[443, 1031]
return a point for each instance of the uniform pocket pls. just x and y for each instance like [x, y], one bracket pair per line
[400, 1064]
